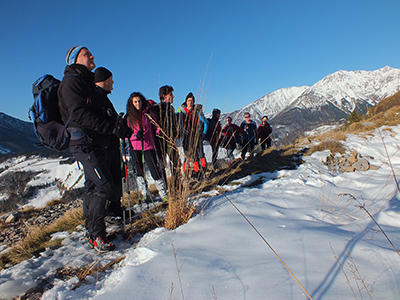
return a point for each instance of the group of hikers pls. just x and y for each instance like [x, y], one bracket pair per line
[152, 130]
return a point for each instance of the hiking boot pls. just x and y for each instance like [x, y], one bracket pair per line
[88, 238]
[196, 166]
[111, 236]
[203, 162]
[102, 246]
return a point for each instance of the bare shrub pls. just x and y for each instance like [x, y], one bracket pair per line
[14, 184]
[333, 145]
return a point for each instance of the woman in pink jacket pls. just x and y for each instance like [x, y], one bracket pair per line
[140, 120]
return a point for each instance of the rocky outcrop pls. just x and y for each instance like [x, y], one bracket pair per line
[349, 162]
[17, 224]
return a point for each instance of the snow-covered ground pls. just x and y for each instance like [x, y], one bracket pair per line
[309, 221]
[68, 175]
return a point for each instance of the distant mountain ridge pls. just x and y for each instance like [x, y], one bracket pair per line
[290, 110]
[18, 137]
[330, 99]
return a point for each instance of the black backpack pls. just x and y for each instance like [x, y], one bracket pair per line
[45, 114]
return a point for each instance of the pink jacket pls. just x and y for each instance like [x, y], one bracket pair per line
[148, 137]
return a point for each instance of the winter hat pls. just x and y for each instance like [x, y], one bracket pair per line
[215, 112]
[72, 54]
[228, 117]
[101, 74]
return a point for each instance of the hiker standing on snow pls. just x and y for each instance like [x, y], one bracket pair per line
[142, 140]
[192, 128]
[264, 132]
[213, 134]
[165, 143]
[91, 122]
[230, 133]
[104, 82]
[249, 137]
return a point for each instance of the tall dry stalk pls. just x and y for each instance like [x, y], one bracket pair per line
[178, 269]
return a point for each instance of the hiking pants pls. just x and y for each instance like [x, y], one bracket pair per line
[151, 161]
[99, 186]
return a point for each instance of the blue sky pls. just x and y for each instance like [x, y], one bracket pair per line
[229, 53]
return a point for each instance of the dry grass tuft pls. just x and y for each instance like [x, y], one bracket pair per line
[333, 145]
[39, 238]
[180, 209]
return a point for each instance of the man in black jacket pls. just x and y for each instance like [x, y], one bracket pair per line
[168, 122]
[250, 135]
[91, 122]
[103, 79]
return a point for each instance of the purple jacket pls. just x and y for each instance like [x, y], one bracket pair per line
[148, 137]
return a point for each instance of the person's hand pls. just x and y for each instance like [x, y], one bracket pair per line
[121, 129]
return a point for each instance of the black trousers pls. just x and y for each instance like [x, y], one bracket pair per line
[164, 148]
[99, 183]
[266, 143]
[215, 148]
[150, 158]
[248, 146]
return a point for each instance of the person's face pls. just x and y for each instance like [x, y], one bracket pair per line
[190, 103]
[228, 121]
[86, 58]
[247, 118]
[218, 116]
[169, 98]
[137, 103]
[265, 121]
[109, 84]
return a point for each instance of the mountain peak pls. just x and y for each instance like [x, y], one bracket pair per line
[328, 100]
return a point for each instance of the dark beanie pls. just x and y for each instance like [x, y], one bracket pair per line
[101, 74]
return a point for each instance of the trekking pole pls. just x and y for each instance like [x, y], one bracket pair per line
[137, 186]
[143, 161]
[122, 178]
[125, 163]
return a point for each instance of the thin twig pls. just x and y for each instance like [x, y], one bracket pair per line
[179, 271]
[390, 162]
[345, 275]
[362, 206]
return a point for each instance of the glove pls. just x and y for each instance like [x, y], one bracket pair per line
[121, 129]
[139, 134]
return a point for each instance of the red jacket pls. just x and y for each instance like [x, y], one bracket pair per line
[231, 132]
[264, 131]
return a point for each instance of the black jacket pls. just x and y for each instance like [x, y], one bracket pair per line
[250, 130]
[85, 108]
[167, 118]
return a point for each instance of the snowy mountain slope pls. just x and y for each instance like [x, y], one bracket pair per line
[270, 105]
[344, 89]
[304, 214]
[330, 99]
[54, 176]
[17, 136]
